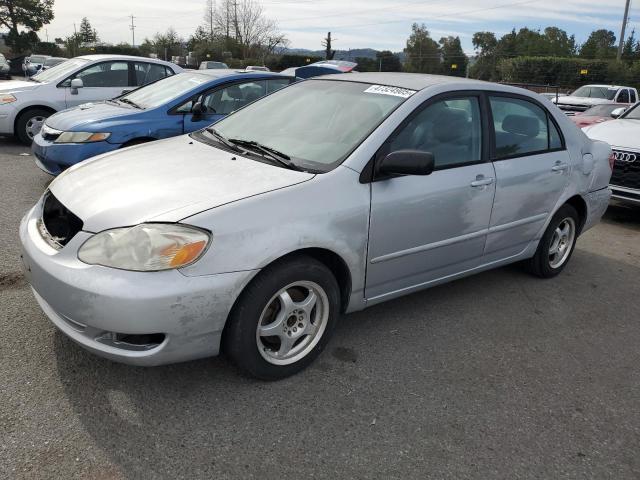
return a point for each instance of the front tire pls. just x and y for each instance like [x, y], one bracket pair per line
[283, 319]
[29, 124]
[557, 244]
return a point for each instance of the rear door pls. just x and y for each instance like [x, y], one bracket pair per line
[424, 228]
[532, 171]
[101, 81]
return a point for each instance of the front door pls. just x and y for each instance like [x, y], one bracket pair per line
[532, 171]
[425, 228]
[101, 81]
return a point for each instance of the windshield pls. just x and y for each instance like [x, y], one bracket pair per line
[632, 114]
[36, 59]
[53, 61]
[60, 71]
[603, 110]
[165, 90]
[317, 123]
[607, 93]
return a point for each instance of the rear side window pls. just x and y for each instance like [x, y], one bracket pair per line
[149, 72]
[522, 127]
[624, 96]
[276, 84]
[632, 96]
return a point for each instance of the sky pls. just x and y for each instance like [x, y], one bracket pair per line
[379, 24]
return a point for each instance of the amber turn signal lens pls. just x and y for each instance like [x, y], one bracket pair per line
[187, 253]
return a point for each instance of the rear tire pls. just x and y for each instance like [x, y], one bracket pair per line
[29, 124]
[557, 244]
[283, 319]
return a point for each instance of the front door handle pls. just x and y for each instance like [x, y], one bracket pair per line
[559, 167]
[481, 181]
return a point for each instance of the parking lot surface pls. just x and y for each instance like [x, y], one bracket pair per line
[496, 376]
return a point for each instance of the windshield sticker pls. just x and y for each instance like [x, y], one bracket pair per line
[394, 91]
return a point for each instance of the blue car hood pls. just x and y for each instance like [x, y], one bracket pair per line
[76, 117]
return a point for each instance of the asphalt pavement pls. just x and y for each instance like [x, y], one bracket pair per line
[496, 376]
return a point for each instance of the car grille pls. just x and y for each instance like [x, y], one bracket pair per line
[626, 169]
[58, 224]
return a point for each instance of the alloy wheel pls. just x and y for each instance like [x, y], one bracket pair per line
[562, 242]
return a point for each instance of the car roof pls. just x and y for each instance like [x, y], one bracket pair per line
[218, 73]
[412, 81]
[123, 57]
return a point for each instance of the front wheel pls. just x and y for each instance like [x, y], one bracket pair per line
[283, 319]
[29, 124]
[557, 244]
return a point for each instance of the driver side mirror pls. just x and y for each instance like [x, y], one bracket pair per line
[407, 162]
[76, 83]
[617, 112]
[198, 109]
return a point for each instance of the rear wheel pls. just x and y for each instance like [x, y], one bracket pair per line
[283, 319]
[29, 124]
[557, 244]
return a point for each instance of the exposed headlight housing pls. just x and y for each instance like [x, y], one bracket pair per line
[146, 247]
[7, 98]
[81, 137]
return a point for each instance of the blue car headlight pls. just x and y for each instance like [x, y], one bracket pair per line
[81, 137]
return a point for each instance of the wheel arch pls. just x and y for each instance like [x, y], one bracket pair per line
[26, 109]
[580, 205]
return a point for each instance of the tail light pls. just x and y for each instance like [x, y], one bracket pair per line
[612, 160]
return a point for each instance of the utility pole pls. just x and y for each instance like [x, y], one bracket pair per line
[46, 32]
[132, 27]
[624, 26]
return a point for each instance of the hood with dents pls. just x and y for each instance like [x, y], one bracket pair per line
[13, 86]
[166, 181]
[88, 113]
[620, 133]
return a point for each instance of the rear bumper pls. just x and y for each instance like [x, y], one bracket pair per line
[97, 306]
[54, 158]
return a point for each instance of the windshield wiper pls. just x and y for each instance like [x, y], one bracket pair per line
[222, 139]
[130, 102]
[279, 157]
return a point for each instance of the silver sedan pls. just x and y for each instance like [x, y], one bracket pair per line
[254, 235]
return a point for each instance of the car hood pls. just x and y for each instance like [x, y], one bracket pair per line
[584, 120]
[165, 181]
[88, 113]
[18, 86]
[620, 133]
[569, 100]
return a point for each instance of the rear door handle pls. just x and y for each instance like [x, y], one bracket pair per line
[482, 182]
[559, 167]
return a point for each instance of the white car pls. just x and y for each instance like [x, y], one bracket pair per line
[587, 96]
[256, 68]
[25, 104]
[623, 135]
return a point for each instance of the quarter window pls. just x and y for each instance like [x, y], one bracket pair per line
[449, 129]
[522, 127]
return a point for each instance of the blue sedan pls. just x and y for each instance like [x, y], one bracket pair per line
[172, 106]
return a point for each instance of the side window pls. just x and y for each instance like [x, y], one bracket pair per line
[632, 96]
[449, 129]
[521, 127]
[231, 98]
[106, 74]
[623, 96]
[148, 72]
[277, 84]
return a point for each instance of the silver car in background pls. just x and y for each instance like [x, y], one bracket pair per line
[331, 195]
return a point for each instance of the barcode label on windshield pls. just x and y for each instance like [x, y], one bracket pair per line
[395, 91]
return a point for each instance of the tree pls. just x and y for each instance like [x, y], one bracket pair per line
[326, 43]
[32, 15]
[485, 45]
[558, 43]
[388, 62]
[165, 45]
[87, 33]
[454, 61]
[422, 52]
[601, 44]
[630, 47]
